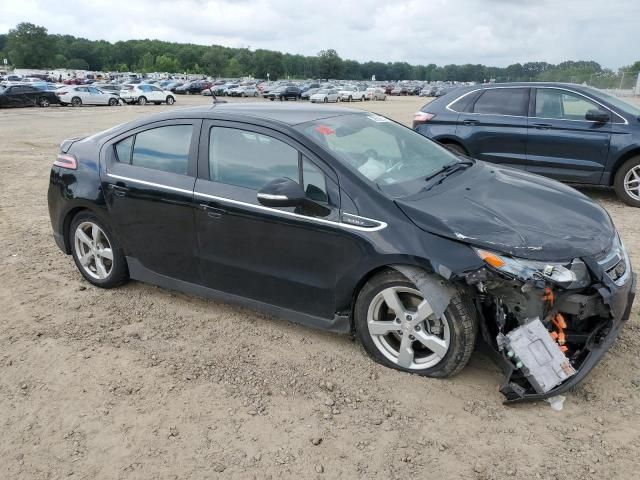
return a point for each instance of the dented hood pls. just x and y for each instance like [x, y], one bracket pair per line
[513, 212]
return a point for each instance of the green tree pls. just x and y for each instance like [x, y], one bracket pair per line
[214, 60]
[77, 64]
[28, 46]
[330, 64]
[166, 63]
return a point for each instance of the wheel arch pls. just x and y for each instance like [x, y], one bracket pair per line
[634, 152]
[451, 141]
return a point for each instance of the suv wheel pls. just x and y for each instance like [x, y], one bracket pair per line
[627, 182]
[394, 324]
[170, 100]
[96, 252]
[142, 100]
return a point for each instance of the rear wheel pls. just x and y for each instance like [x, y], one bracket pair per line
[76, 102]
[627, 182]
[96, 252]
[350, 99]
[326, 100]
[142, 101]
[43, 102]
[397, 328]
[113, 102]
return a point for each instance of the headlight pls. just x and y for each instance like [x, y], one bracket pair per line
[573, 274]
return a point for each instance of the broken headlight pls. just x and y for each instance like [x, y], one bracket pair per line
[572, 274]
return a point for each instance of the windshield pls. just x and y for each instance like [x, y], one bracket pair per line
[394, 157]
[619, 103]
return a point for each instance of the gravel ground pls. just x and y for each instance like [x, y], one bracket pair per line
[143, 383]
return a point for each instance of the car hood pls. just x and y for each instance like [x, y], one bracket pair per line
[512, 212]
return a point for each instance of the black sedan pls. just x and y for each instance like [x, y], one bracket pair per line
[284, 93]
[26, 96]
[344, 220]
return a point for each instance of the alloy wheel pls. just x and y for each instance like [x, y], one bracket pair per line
[632, 183]
[404, 330]
[93, 250]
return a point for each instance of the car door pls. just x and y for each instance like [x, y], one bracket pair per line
[278, 256]
[561, 143]
[96, 97]
[148, 183]
[155, 94]
[83, 93]
[494, 126]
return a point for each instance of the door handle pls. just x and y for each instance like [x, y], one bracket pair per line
[542, 126]
[118, 190]
[470, 122]
[212, 212]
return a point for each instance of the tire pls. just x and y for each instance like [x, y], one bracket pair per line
[115, 269]
[142, 100]
[255, 94]
[43, 102]
[76, 102]
[456, 148]
[157, 103]
[350, 99]
[113, 102]
[457, 329]
[627, 182]
[170, 100]
[272, 99]
[326, 100]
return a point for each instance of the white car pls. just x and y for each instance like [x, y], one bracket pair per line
[86, 95]
[243, 91]
[143, 94]
[376, 93]
[325, 95]
[349, 93]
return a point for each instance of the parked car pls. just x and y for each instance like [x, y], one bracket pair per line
[26, 96]
[143, 94]
[428, 91]
[307, 93]
[243, 91]
[325, 95]
[86, 95]
[284, 93]
[172, 86]
[349, 93]
[399, 90]
[194, 87]
[376, 93]
[352, 223]
[571, 133]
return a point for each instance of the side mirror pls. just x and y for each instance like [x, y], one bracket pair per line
[281, 192]
[596, 115]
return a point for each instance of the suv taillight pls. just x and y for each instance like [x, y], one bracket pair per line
[65, 160]
[422, 117]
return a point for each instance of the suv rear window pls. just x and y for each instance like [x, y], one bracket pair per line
[503, 101]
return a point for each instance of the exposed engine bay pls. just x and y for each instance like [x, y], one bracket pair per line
[549, 323]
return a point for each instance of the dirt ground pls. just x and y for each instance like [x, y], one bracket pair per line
[143, 383]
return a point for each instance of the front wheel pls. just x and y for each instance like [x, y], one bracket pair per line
[96, 253]
[170, 100]
[142, 101]
[113, 102]
[76, 102]
[627, 182]
[43, 102]
[326, 100]
[395, 325]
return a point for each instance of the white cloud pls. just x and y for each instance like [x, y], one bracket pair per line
[492, 32]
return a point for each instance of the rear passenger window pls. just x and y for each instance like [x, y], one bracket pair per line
[503, 101]
[248, 159]
[163, 148]
[123, 150]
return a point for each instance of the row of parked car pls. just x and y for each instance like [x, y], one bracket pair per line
[44, 95]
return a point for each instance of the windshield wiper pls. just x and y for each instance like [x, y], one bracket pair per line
[448, 169]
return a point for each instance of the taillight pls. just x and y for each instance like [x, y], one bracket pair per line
[422, 117]
[66, 161]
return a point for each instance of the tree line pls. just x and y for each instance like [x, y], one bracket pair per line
[31, 46]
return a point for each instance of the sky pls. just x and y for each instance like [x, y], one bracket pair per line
[490, 32]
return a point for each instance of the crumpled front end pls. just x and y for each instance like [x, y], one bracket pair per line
[550, 323]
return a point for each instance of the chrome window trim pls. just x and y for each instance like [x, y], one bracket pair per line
[380, 225]
[448, 107]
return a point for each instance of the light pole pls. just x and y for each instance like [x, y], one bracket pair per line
[267, 77]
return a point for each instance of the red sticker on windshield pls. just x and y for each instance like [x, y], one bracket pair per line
[324, 130]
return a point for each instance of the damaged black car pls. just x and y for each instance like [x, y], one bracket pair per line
[345, 220]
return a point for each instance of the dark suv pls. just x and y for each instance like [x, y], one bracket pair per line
[572, 133]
